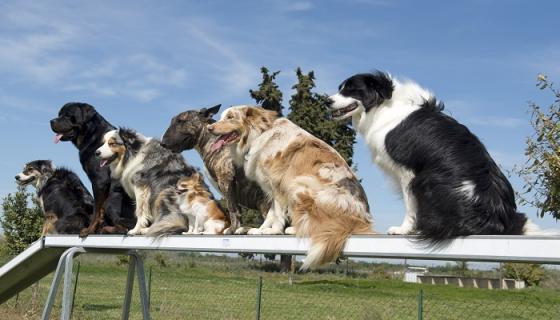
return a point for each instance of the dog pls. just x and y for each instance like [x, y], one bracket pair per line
[66, 204]
[451, 186]
[188, 130]
[308, 180]
[146, 169]
[81, 124]
[196, 201]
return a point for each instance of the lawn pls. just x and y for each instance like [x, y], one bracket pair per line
[199, 287]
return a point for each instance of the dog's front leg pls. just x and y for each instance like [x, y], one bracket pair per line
[407, 227]
[228, 187]
[142, 196]
[274, 222]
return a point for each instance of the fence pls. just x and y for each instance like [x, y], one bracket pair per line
[200, 286]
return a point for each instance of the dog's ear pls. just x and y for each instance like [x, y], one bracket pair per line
[46, 166]
[382, 84]
[379, 88]
[128, 136]
[87, 112]
[210, 112]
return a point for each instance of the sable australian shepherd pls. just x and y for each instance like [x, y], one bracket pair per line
[203, 211]
[451, 186]
[146, 169]
[66, 203]
[308, 180]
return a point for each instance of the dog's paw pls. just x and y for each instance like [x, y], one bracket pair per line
[84, 232]
[399, 230]
[290, 230]
[254, 231]
[134, 232]
[228, 231]
[184, 233]
[241, 230]
[270, 231]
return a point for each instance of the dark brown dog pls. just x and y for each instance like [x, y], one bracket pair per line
[81, 124]
[188, 131]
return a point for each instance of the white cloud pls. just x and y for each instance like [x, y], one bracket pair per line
[235, 73]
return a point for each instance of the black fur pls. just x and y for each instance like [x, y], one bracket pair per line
[64, 195]
[443, 154]
[81, 124]
[370, 88]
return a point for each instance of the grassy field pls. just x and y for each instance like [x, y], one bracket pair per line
[203, 287]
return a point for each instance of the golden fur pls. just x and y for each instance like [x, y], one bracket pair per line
[198, 202]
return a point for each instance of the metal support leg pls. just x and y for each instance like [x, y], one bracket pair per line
[129, 285]
[54, 286]
[67, 290]
[144, 303]
[137, 263]
[65, 264]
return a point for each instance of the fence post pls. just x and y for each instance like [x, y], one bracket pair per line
[420, 304]
[259, 289]
[150, 289]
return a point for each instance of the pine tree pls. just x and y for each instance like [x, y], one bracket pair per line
[268, 95]
[22, 224]
[309, 111]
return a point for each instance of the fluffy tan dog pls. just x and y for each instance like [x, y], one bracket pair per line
[308, 180]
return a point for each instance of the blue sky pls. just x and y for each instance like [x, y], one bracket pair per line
[141, 62]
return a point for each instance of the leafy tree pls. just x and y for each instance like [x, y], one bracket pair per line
[22, 224]
[541, 172]
[309, 111]
[532, 274]
[268, 95]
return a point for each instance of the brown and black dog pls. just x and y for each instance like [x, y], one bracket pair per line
[81, 124]
[188, 131]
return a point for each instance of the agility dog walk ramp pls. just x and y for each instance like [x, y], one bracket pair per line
[56, 253]
[27, 268]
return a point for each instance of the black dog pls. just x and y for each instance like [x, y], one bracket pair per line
[67, 205]
[187, 131]
[85, 127]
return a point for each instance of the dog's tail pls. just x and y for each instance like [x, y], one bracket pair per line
[531, 229]
[328, 228]
[170, 223]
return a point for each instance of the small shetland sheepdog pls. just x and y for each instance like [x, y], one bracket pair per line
[146, 170]
[451, 186]
[196, 201]
[308, 180]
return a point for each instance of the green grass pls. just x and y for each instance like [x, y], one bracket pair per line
[198, 287]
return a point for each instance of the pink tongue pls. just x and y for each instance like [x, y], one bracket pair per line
[103, 163]
[217, 145]
[57, 138]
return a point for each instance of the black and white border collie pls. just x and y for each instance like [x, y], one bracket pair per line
[451, 186]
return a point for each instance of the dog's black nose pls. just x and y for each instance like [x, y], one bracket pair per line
[17, 177]
[97, 153]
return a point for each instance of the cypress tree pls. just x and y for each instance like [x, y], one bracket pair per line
[22, 224]
[268, 95]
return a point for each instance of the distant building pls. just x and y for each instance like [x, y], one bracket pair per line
[419, 275]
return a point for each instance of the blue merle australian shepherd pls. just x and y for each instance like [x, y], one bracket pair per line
[451, 186]
[149, 174]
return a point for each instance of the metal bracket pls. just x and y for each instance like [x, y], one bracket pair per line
[65, 264]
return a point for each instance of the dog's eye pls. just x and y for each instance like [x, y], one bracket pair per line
[229, 116]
